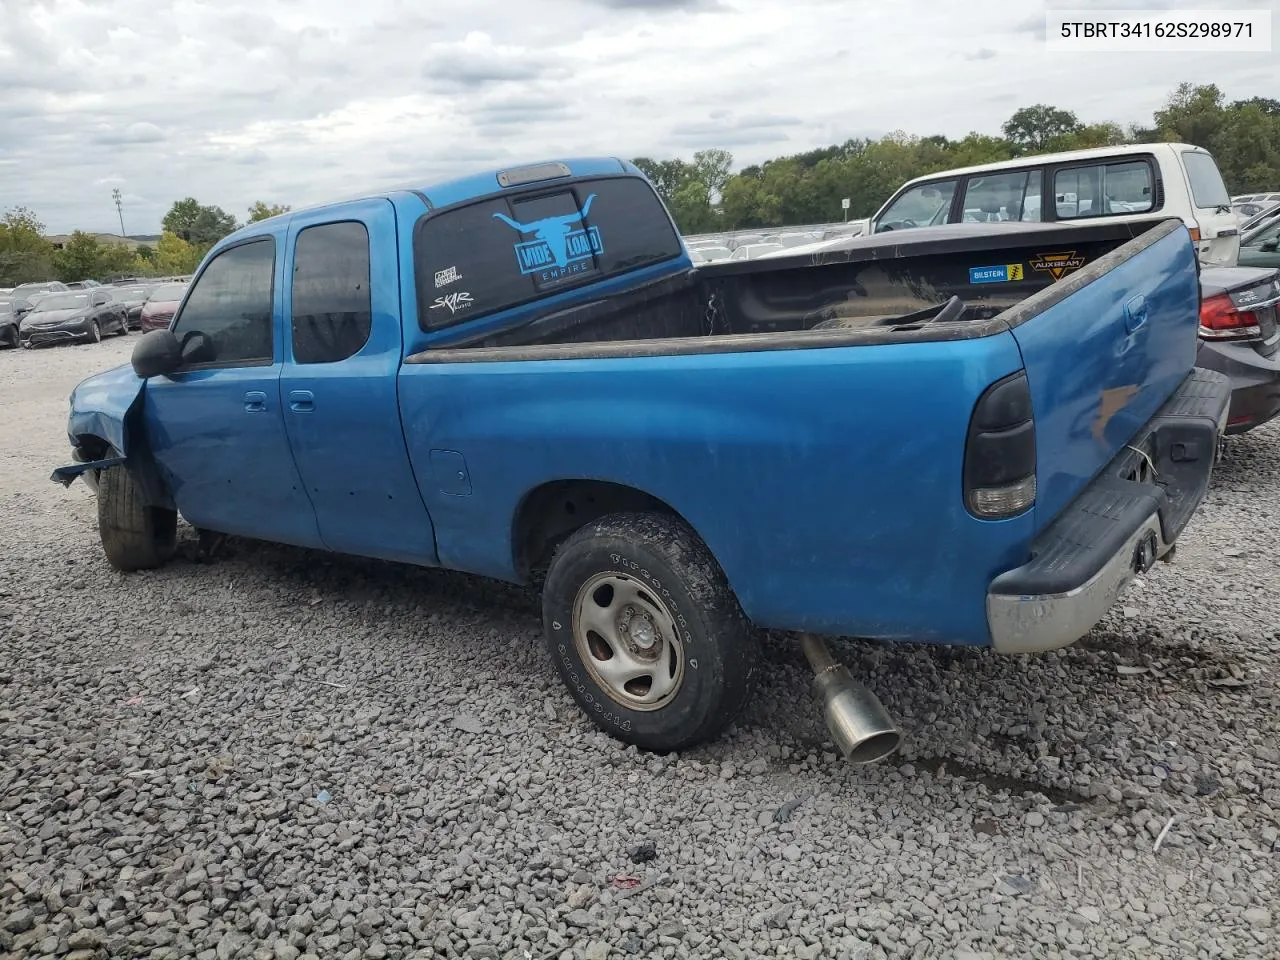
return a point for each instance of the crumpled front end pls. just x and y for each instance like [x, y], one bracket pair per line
[98, 422]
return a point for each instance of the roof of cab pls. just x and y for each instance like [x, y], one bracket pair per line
[1067, 156]
[445, 193]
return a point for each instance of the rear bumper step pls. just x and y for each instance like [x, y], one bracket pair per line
[1126, 519]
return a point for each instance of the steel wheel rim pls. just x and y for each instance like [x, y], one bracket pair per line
[627, 639]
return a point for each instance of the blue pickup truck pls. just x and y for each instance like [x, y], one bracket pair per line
[965, 435]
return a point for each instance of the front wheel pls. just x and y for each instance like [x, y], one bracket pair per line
[646, 633]
[134, 536]
[95, 332]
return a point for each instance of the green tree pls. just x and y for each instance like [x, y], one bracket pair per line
[25, 255]
[667, 176]
[261, 211]
[691, 209]
[80, 258]
[200, 225]
[175, 255]
[1040, 128]
[146, 254]
[711, 169]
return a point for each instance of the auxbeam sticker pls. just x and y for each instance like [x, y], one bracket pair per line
[1057, 265]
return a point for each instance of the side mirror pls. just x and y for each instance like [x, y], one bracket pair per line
[156, 354]
[1270, 246]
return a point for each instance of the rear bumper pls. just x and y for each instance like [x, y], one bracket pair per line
[1126, 519]
[1255, 382]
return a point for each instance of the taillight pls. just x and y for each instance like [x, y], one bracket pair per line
[1221, 319]
[1195, 233]
[1000, 451]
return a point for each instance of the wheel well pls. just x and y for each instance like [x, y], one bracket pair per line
[553, 511]
[92, 447]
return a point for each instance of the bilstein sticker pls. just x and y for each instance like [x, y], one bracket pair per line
[1057, 265]
[1001, 273]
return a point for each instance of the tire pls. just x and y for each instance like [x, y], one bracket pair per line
[648, 579]
[95, 332]
[134, 535]
[11, 338]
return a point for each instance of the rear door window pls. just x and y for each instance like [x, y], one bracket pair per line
[1002, 196]
[501, 252]
[332, 312]
[1103, 190]
[1207, 188]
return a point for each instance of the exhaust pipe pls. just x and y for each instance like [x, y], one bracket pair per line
[858, 722]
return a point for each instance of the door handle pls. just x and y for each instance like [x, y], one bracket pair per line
[301, 401]
[255, 401]
[1135, 313]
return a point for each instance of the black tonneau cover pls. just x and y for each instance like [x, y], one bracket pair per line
[951, 238]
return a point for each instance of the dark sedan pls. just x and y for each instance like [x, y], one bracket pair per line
[77, 315]
[133, 296]
[8, 324]
[1239, 336]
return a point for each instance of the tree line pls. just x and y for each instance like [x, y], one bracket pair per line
[190, 229]
[704, 195]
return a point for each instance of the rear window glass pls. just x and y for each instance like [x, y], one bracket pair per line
[1207, 188]
[508, 250]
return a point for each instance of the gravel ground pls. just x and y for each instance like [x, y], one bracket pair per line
[283, 753]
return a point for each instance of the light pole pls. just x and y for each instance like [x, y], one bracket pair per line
[115, 195]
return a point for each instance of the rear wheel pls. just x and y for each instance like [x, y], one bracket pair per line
[134, 536]
[646, 633]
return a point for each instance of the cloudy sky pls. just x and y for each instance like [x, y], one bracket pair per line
[296, 101]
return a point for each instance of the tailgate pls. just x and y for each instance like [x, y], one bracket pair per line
[1104, 347]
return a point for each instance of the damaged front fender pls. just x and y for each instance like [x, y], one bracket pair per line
[101, 407]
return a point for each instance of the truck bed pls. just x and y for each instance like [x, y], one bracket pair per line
[877, 289]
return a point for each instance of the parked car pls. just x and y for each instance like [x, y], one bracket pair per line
[8, 323]
[84, 315]
[160, 306]
[27, 291]
[1240, 337]
[22, 305]
[1129, 182]
[1259, 246]
[83, 284]
[133, 296]
[516, 374]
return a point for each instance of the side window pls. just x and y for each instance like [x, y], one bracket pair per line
[1268, 236]
[231, 305]
[923, 205]
[332, 306]
[505, 251]
[1014, 195]
[1103, 190]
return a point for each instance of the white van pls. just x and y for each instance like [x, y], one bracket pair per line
[1129, 182]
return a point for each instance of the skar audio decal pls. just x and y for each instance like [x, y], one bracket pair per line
[561, 246]
[1057, 265]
